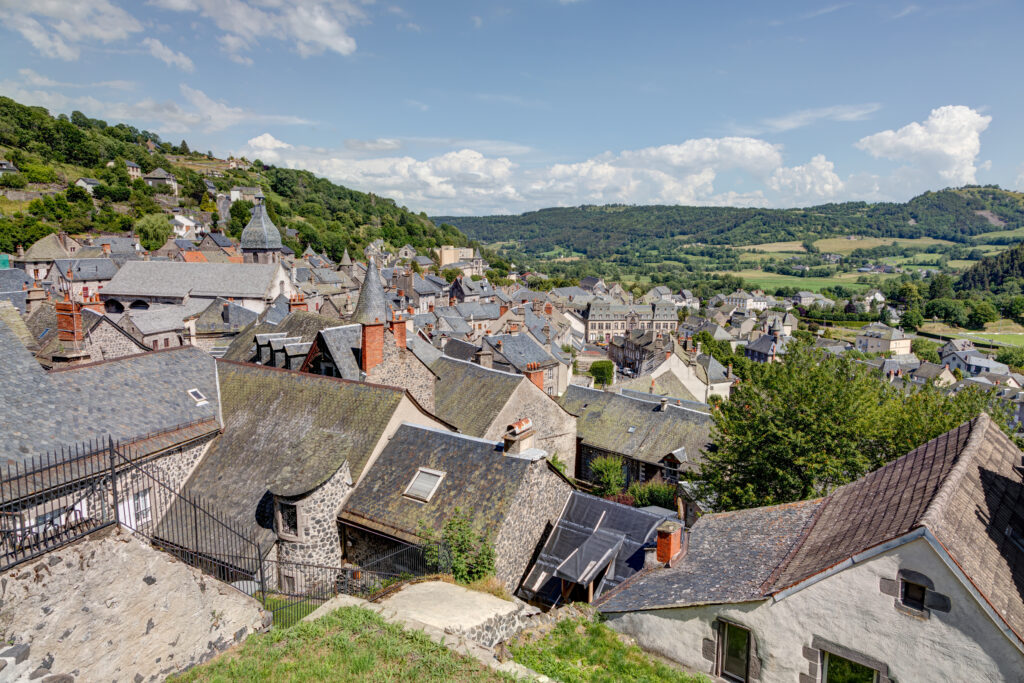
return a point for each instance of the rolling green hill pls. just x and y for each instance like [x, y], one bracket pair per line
[54, 151]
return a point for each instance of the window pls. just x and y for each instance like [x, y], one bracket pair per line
[424, 484]
[198, 397]
[912, 594]
[288, 520]
[836, 669]
[142, 507]
[167, 342]
[735, 652]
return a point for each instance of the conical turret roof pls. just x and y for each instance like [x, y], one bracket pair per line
[260, 233]
[371, 308]
[346, 260]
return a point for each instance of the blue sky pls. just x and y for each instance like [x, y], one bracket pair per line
[482, 106]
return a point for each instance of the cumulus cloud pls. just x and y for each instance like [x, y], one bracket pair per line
[168, 56]
[942, 148]
[267, 141]
[57, 29]
[311, 26]
[814, 181]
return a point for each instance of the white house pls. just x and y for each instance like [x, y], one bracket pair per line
[184, 227]
[911, 573]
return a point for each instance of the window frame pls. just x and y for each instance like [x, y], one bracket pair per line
[143, 514]
[279, 524]
[723, 644]
[825, 655]
[420, 470]
[910, 603]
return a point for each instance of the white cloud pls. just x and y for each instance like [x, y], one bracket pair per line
[378, 145]
[267, 141]
[806, 117]
[906, 11]
[168, 56]
[813, 182]
[478, 21]
[58, 29]
[942, 149]
[312, 26]
[32, 78]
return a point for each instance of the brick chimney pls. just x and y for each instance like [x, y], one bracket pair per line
[502, 310]
[535, 375]
[548, 309]
[399, 330]
[297, 302]
[106, 248]
[430, 307]
[69, 321]
[372, 348]
[669, 540]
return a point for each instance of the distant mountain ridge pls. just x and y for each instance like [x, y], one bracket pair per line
[959, 215]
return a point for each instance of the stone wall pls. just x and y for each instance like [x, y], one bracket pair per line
[401, 368]
[105, 342]
[538, 503]
[318, 522]
[500, 627]
[555, 428]
[364, 546]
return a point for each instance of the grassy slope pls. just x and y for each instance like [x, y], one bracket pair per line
[351, 644]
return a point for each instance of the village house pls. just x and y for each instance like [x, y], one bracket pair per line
[37, 260]
[140, 284]
[80, 279]
[640, 351]
[605, 320]
[521, 354]
[69, 332]
[509, 489]
[804, 590]
[770, 347]
[448, 254]
[747, 301]
[87, 184]
[880, 338]
[467, 290]
[653, 440]
[242, 193]
[158, 178]
[134, 170]
[219, 323]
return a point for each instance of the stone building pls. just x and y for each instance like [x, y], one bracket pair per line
[509, 490]
[604, 320]
[37, 260]
[641, 351]
[652, 439]
[92, 337]
[923, 550]
[261, 240]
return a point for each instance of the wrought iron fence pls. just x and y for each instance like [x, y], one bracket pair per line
[58, 498]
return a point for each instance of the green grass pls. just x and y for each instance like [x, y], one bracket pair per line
[286, 614]
[1010, 339]
[580, 651]
[841, 245]
[772, 281]
[350, 644]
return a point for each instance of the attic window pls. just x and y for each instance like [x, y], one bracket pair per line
[198, 397]
[424, 484]
[631, 429]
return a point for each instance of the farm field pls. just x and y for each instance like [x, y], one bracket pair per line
[841, 245]
[794, 246]
[1000, 332]
[772, 281]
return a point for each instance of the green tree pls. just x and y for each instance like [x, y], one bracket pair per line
[913, 318]
[925, 350]
[608, 475]
[603, 371]
[803, 427]
[653, 492]
[1011, 355]
[241, 212]
[450, 274]
[940, 287]
[982, 312]
[13, 180]
[153, 231]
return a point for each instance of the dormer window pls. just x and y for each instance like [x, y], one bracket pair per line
[198, 397]
[424, 484]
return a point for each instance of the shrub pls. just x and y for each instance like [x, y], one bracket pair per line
[654, 492]
[39, 174]
[608, 475]
[603, 371]
[622, 499]
[15, 180]
[459, 549]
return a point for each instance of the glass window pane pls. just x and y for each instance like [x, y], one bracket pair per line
[839, 670]
[737, 641]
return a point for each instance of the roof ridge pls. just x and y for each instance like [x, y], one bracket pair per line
[80, 366]
[979, 427]
[797, 545]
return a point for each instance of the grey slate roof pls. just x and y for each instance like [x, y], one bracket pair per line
[223, 316]
[731, 555]
[461, 350]
[520, 350]
[301, 324]
[125, 398]
[344, 343]
[370, 307]
[479, 478]
[604, 420]
[86, 269]
[469, 396]
[173, 279]
[260, 233]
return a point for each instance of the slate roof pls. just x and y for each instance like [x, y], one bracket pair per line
[86, 269]
[260, 232]
[301, 324]
[604, 420]
[46, 248]
[479, 478]
[224, 316]
[284, 432]
[460, 350]
[730, 557]
[961, 486]
[125, 398]
[520, 350]
[344, 343]
[469, 396]
[586, 535]
[370, 307]
[221, 240]
[174, 279]
[10, 315]
[13, 279]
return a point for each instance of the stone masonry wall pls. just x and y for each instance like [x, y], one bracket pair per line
[106, 342]
[318, 521]
[401, 368]
[538, 502]
[555, 428]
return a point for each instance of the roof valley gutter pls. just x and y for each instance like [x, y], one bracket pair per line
[220, 403]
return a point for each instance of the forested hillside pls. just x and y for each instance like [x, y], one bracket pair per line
[959, 215]
[996, 272]
[53, 152]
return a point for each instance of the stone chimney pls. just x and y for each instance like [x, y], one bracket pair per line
[372, 347]
[519, 436]
[484, 357]
[398, 329]
[94, 304]
[21, 251]
[535, 375]
[664, 405]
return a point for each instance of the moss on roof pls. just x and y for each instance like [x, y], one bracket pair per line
[298, 324]
[469, 396]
